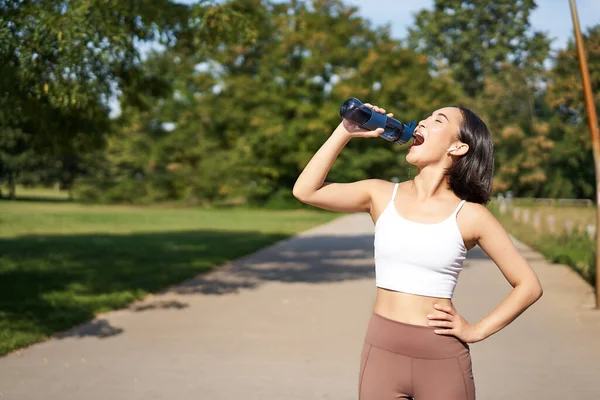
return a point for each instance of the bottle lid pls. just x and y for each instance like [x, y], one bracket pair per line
[407, 133]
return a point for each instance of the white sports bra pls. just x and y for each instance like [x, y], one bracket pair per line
[418, 258]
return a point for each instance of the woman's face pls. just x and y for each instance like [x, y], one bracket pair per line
[439, 132]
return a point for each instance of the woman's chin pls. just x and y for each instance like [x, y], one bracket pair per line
[415, 160]
[412, 159]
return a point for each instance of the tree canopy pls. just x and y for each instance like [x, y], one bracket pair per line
[242, 93]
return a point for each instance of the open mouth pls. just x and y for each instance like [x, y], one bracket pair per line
[418, 139]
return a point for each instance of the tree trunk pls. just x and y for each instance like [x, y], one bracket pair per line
[12, 186]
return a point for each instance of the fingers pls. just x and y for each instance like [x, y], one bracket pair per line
[444, 319]
[374, 133]
[440, 316]
[378, 109]
[441, 324]
[447, 309]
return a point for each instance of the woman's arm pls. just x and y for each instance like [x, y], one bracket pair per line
[497, 244]
[310, 187]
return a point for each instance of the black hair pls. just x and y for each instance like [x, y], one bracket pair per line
[470, 175]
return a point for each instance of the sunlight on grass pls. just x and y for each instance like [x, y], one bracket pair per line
[62, 263]
[38, 193]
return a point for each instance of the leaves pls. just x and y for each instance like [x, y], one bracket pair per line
[473, 40]
[244, 92]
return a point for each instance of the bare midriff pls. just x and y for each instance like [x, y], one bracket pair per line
[406, 307]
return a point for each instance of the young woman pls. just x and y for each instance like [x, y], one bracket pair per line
[417, 344]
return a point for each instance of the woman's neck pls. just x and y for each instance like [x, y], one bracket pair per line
[430, 183]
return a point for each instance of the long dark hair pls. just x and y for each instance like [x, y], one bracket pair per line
[470, 176]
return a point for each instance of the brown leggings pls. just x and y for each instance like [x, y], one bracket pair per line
[406, 361]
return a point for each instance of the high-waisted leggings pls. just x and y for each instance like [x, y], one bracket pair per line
[406, 361]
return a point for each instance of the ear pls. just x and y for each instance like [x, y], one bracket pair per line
[458, 149]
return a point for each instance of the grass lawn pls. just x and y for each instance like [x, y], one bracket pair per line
[61, 263]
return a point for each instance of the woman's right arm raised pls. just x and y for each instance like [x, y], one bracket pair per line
[311, 188]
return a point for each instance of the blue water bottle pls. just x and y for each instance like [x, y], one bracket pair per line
[393, 130]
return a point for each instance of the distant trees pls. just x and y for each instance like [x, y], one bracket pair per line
[241, 121]
[61, 60]
[571, 161]
[245, 91]
[536, 115]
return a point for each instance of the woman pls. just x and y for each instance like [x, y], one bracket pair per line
[417, 344]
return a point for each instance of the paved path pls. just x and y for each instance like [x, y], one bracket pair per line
[288, 322]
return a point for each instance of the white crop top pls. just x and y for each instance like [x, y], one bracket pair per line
[418, 258]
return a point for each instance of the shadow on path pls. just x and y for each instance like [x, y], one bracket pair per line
[307, 259]
[100, 328]
[49, 283]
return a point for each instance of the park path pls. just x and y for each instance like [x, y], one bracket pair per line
[288, 322]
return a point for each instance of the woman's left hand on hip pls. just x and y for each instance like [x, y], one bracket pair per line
[452, 323]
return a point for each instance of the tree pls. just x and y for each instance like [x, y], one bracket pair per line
[61, 60]
[281, 98]
[521, 136]
[571, 162]
[473, 39]
[241, 120]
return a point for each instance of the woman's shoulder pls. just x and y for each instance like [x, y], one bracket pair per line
[474, 220]
[476, 215]
[476, 209]
[381, 191]
[376, 184]
[385, 188]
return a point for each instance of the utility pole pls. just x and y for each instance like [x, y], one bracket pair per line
[594, 131]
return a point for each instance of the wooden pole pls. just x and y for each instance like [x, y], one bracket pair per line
[594, 131]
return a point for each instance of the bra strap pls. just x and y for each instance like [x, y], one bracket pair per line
[459, 207]
[395, 190]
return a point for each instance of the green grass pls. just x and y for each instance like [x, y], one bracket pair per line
[37, 193]
[576, 249]
[62, 263]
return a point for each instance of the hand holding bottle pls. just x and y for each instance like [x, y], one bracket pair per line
[369, 119]
[354, 130]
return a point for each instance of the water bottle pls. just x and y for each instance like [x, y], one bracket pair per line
[393, 130]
